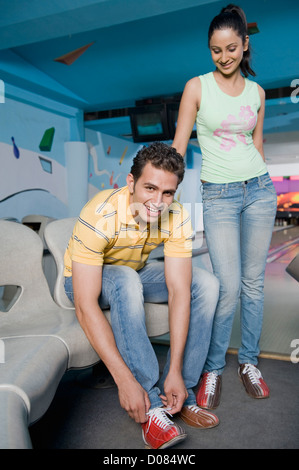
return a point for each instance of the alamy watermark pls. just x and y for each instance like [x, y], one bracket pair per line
[173, 220]
[295, 93]
[295, 353]
[2, 351]
[2, 91]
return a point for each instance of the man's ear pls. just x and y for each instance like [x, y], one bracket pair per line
[130, 182]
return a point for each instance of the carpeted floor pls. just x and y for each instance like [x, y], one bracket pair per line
[83, 416]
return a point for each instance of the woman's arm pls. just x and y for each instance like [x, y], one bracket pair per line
[258, 131]
[189, 106]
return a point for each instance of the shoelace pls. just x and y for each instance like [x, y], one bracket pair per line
[211, 383]
[194, 408]
[253, 372]
[158, 416]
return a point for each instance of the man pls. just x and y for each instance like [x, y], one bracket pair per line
[105, 265]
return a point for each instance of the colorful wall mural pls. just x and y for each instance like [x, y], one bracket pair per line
[31, 181]
[32, 162]
[36, 169]
[110, 160]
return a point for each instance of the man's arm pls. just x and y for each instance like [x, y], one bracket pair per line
[87, 285]
[178, 275]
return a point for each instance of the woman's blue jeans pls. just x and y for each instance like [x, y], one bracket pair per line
[124, 291]
[238, 224]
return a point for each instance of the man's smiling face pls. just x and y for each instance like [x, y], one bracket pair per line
[151, 194]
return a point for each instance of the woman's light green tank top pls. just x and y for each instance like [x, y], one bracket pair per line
[225, 125]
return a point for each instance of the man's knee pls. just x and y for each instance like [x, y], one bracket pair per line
[123, 282]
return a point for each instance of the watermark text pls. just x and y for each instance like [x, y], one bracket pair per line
[2, 91]
[295, 352]
[295, 93]
[2, 351]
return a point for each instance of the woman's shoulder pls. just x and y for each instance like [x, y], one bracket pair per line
[262, 96]
[193, 88]
[254, 84]
[256, 92]
[193, 82]
[261, 91]
[197, 81]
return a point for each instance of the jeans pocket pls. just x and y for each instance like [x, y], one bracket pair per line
[266, 183]
[210, 194]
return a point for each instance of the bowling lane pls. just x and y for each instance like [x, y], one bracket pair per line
[284, 240]
[284, 234]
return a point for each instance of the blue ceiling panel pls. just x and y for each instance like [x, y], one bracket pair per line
[140, 48]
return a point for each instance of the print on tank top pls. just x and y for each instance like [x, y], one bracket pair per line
[236, 126]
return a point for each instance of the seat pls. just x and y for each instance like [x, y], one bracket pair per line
[57, 234]
[37, 223]
[293, 268]
[40, 337]
[40, 340]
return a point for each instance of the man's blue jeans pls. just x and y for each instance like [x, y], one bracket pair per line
[238, 223]
[124, 291]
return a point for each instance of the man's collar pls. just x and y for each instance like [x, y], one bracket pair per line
[125, 215]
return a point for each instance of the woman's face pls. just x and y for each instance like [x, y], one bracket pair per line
[227, 50]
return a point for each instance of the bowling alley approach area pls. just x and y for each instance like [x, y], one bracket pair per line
[86, 397]
[137, 136]
[280, 325]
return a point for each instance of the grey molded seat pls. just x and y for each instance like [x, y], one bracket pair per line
[39, 339]
[37, 223]
[293, 268]
[57, 235]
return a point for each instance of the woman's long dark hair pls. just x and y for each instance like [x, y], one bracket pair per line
[233, 17]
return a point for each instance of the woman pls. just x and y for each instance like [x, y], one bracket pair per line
[239, 199]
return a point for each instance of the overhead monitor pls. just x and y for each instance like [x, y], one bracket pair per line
[172, 113]
[149, 123]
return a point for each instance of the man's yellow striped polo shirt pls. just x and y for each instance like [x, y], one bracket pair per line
[106, 233]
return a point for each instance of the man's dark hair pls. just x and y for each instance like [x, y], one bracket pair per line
[161, 156]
